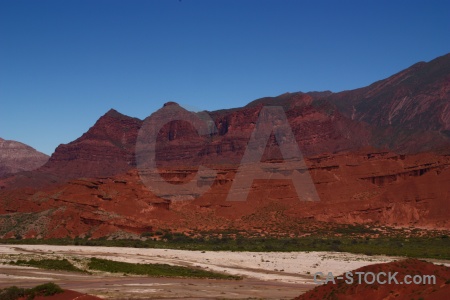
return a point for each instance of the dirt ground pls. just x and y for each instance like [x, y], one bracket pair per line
[272, 275]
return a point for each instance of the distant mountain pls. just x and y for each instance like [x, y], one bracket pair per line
[16, 157]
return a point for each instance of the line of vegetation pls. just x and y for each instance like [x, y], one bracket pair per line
[437, 247]
[14, 292]
[48, 264]
[154, 270]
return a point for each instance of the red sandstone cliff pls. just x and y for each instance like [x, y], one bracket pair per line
[107, 148]
[90, 185]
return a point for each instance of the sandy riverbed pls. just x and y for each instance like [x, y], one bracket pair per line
[267, 275]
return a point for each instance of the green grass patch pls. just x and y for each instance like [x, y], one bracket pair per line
[153, 270]
[49, 264]
[14, 293]
[437, 246]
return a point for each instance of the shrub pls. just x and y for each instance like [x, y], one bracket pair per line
[14, 293]
[46, 289]
[155, 270]
[147, 234]
[49, 264]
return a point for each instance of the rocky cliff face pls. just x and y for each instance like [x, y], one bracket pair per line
[407, 113]
[380, 188]
[106, 148]
[415, 98]
[16, 157]
[355, 143]
[318, 128]
[410, 110]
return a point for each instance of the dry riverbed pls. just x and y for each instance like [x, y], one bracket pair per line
[267, 275]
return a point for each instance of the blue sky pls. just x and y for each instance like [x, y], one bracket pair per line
[63, 64]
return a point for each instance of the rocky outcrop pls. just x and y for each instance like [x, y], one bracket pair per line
[344, 289]
[107, 148]
[16, 157]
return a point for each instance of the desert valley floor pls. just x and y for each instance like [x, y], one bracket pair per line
[274, 275]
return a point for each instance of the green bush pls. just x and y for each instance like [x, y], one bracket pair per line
[395, 243]
[14, 293]
[49, 264]
[147, 234]
[46, 289]
[155, 270]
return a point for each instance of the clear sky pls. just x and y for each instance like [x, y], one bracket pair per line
[63, 64]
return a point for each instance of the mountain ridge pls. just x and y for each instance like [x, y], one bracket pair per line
[374, 156]
[396, 126]
[323, 122]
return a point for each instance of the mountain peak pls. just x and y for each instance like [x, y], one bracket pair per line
[170, 103]
[107, 148]
[113, 113]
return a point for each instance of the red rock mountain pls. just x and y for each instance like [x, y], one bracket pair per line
[413, 98]
[363, 188]
[107, 148]
[364, 148]
[406, 113]
[411, 109]
[16, 157]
